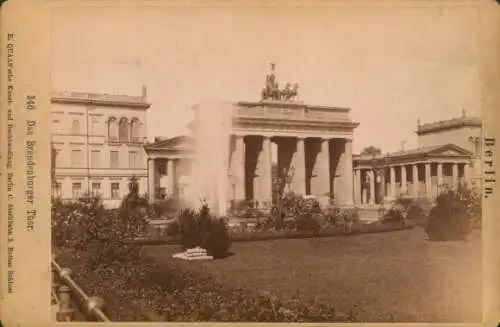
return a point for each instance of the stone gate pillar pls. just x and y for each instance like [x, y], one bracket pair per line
[299, 164]
[264, 194]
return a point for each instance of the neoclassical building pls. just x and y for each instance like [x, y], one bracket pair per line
[312, 147]
[98, 140]
[449, 153]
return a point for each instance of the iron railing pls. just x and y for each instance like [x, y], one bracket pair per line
[66, 294]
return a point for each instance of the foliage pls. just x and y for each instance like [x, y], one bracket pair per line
[100, 236]
[305, 213]
[166, 208]
[201, 229]
[371, 150]
[345, 218]
[144, 289]
[450, 218]
[394, 214]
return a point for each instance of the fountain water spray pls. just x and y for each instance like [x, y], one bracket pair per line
[209, 180]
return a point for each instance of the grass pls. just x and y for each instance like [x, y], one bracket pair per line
[399, 276]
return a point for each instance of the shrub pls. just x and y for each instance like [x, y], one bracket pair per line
[393, 215]
[449, 219]
[204, 230]
[100, 236]
[345, 218]
[167, 208]
[305, 212]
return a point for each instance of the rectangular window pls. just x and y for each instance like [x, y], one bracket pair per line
[76, 158]
[114, 159]
[57, 190]
[58, 158]
[95, 161]
[76, 190]
[115, 190]
[96, 189]
[162, 168]
[133, 159]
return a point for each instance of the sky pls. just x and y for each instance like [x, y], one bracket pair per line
[391, 64]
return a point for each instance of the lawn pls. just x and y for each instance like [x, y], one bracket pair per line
[397, 276]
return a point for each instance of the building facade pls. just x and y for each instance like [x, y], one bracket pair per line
[449, 153]
[313, 148]
[98, 142]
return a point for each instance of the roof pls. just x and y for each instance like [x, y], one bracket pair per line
[446, 150]
[449, 124]
[102, 99]
[178, 142]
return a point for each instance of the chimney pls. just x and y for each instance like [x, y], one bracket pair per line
[463, 113]
[403, 143]
[144, 93]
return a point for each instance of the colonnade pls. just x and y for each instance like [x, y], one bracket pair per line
[419, 179]
[309, 166]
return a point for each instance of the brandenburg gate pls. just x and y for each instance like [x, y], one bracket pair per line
[313, 150]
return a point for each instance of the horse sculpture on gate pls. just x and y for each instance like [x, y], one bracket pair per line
[272, 91]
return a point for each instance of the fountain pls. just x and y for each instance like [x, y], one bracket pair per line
[209, 180]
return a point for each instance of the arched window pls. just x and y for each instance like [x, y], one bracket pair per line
[135, 129]
[123, 129]
[112, 128]
[75, 127]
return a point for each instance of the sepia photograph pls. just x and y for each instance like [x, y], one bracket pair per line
[266, 163]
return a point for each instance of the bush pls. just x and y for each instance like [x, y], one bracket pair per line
[450, 218]
[393, 215]
[201, 229]
[305, 213]
[166, 208]
[100, 236]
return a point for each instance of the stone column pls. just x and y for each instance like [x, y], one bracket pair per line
[404, 185]
[428, 180]
[392, 190]
[372, 186]
[466, 176]
[265, 171]
[239, 168]
[320, 184]
[171, 177]
[439, 176]
[347, 172]
[454, 175]
[359, 187]
[415, 179]
[151, 179]
[299, 164]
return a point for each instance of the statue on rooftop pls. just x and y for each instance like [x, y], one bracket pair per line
[271, 91]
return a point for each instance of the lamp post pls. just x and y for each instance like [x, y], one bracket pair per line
[283, 178]
[380, 172]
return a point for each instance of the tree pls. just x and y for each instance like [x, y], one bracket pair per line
[371, 150]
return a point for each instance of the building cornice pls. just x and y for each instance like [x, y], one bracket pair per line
[100, 99]
[448, 124]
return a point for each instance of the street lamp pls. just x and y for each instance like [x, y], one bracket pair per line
[380, 172]
[283, 178]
